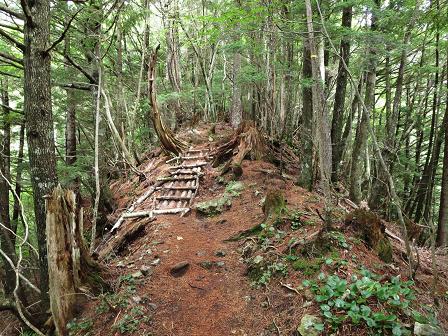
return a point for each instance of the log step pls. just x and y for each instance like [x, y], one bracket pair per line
[186, 172]
[180, 178]
[173, 198]
[195, 165]
[194, 157]
[181, 188]
[170, 211]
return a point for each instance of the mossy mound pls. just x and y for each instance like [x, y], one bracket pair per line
[274, 204]
[308, 266]
[214, 206]
[369, 227]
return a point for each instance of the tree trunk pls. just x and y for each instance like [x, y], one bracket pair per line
[322, 136]
[7, 239]
[237, 108]
[362, 131]
[39, 122]
[166, 136]
[442, 228]
[339, 99]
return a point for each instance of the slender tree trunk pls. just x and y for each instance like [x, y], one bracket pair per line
[322, 135]
[7, 239]
[39, 122]
[339, 99]
[362, 131]
[237, 108]
[442, 228]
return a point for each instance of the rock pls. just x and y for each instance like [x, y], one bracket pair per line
[427, 330]
[155, 262]
[137, 299]
[307, 324]
[180, 269]
[220, 263]
[206, 264]
[214, 206]
[146, 270]
[200, 253]
[221, 222]
[137, 274]
[220, 253]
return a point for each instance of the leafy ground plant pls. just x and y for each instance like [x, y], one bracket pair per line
[383, 307]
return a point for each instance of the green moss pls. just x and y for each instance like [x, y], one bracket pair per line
[384, 250]
[307, 266]
[234, 188]
[214, 206]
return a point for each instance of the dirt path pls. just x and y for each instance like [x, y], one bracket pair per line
[214, 296]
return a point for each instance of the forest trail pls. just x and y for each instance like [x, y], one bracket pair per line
[179, 275]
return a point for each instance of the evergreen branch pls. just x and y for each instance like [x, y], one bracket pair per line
[61, 38]
[12, 40]
[11, 12]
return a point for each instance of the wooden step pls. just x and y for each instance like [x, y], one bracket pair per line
[173, 198]
[181, 188]
[186, 172]
[197, 157]
[195, 165]
[180, 178]
[170, 211]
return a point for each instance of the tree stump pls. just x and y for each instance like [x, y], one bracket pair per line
[70, 266]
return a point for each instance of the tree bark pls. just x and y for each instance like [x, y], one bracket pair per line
[362, 132]
[339, 99]
[442, 227]
[7, 238]
[70, 263]
[322, 136]
[39, 122]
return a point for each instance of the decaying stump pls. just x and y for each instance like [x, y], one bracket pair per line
[166, 136]
[369, 227]
[70, 266]
[248, 142]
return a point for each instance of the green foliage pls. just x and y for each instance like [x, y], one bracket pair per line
[307, 266]
[131, 321]
[261, 271]
[358, 301]
[80, 327]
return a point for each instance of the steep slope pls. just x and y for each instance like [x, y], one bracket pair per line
[181, 276]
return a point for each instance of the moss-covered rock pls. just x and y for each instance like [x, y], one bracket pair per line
[214, 206]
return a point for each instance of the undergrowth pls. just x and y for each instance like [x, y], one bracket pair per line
[382, 306]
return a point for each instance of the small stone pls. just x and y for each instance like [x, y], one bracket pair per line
[200, 253]
[146, 270]
[221, 222]
[220, 264]
[148, 251]
[307, 304]
[155, 262]
[180, 269]
[220, 253]
[247, 298]
[307, 324]
[206, 264]
[179, 238]
[137, 274]
[426, 330]
[137, 299]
